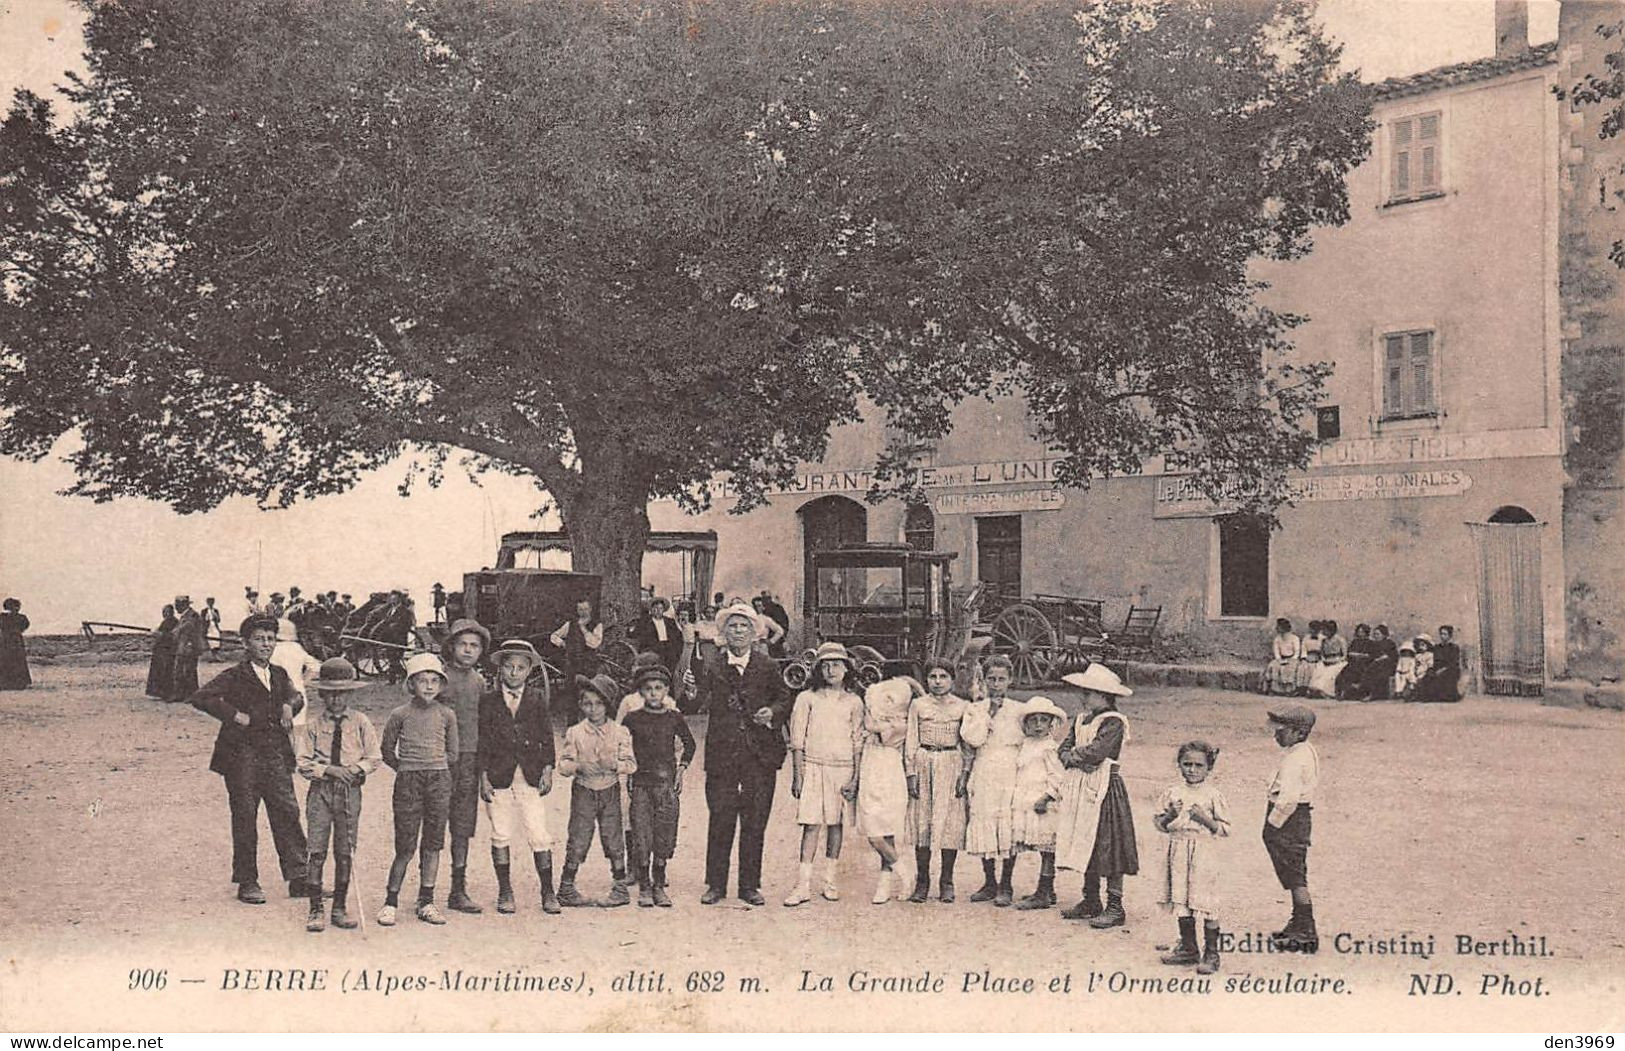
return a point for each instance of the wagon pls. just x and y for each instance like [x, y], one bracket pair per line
[891, 605]
[1046, 634]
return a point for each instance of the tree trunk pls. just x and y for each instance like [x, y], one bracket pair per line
[609, 529]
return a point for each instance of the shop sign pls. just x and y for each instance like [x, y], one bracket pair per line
[1000, 502]
[1178, 497]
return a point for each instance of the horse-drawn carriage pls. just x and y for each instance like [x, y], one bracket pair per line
[891, 605]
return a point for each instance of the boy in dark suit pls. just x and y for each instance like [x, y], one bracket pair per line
[255, 703]
[515, 760]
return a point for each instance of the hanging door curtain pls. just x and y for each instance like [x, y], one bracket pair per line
[1512, 637]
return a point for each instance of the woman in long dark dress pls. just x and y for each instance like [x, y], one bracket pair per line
[1380, 671]
[1442, 682]
[1356, 674]
[161, 672]
[13, 650]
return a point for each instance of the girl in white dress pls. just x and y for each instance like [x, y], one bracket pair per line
[993, 728]
[1194, 815]
[1038, 788]
[882, 787]
[826, 742]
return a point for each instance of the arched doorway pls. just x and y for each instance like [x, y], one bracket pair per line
[829, 521]
[1511, 624]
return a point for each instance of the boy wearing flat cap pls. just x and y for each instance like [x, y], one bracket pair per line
[466, 642]
[515, 760]
[597, 754]
[658, 731]
[1286, 826]
[338, 749]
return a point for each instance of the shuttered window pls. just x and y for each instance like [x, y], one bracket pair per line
[1416, 145]
[1408, 375]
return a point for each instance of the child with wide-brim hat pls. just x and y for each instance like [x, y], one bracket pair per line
[337, 749]
[1096, 834]
[1039, 776]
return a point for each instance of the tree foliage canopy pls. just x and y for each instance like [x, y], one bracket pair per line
[628, 244]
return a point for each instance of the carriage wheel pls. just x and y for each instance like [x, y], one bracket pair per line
[1026, 636]
[617, 657]
[371, 662]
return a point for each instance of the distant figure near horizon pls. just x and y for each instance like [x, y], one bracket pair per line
[161, 671]
[13, 650]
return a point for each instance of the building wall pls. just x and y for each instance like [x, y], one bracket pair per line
[1478, 264]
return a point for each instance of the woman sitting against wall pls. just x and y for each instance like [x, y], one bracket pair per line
[1442, 681]
[1352, 680]
[1334, 650]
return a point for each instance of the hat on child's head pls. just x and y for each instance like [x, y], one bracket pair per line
[466, 626]
[516, 648]
[602, 685]
[1099, 678]
[337, 675]
[646, 659]
[1298, 716]
[651, 673]
[1042, 706]
[424, 662]
[256, 622]
[832, 651]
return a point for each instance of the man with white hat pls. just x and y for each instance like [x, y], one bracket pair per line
[748, 704]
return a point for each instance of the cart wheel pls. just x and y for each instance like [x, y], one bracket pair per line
[371, 662]
[617, 657]
[1026, 636]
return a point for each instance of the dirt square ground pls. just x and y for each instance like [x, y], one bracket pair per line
[1484, 820]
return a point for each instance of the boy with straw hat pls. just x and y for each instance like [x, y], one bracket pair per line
[338, 750]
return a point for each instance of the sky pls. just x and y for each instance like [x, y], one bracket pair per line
[71, 560]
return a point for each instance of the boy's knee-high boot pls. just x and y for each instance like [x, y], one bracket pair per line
[922, 875]
[1185, 953]
[544, 872]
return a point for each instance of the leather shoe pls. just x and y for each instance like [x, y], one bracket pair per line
[711, 896]
[752, 897]
[250, 894]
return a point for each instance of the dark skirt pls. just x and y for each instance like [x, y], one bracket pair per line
[14, 663]
[161, 672]
[1117, 853]
[1439, 686]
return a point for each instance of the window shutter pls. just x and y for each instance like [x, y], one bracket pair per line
[1421, 372]
[1427, 136]
[1402, 158]
[1393, 395]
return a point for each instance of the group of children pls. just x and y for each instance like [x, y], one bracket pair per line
[951, 764]
[458, 744]
[987, 774]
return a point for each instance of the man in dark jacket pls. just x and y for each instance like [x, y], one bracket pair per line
[255, 702]
[741, 689]
[515, 760]
[659, 633]
[190, 642]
